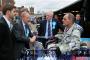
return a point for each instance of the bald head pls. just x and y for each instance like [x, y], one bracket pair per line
[25, 16]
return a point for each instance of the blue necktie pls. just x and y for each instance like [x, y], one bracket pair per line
[49, 29]
[26, 31]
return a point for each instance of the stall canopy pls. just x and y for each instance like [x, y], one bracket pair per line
[74, 8]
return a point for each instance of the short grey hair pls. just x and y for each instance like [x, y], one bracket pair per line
[50, 13]
[24, 13]
[71, 17]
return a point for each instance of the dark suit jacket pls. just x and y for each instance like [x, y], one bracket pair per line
[6, 41]
[42, 28]
[21, 40]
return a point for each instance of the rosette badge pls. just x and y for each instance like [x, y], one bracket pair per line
[53, 25]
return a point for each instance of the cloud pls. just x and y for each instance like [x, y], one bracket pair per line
[42, 5]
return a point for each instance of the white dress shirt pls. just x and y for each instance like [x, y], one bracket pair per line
[8, 22]
[25, 30]
[46, 33]
[23, 25]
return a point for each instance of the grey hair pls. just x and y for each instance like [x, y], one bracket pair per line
[71, 17]
[23, 13]
[49, 12]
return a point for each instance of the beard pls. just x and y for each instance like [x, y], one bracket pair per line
[12, 17]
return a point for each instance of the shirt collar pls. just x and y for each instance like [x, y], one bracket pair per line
[50, 20]
[70, 29]
[23, 23]
[8, 22]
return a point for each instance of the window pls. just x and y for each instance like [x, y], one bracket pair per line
[0, 2]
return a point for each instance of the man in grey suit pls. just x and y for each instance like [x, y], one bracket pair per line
[23, 34]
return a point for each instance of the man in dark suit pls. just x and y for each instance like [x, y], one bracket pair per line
[23, 34]
[49, 27]
[6, 35]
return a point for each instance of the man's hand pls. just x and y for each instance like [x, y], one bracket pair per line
[33, 39]
[51, 46]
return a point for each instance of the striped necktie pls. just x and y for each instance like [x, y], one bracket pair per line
[49, 29]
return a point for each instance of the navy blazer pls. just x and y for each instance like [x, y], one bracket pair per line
[42, 28]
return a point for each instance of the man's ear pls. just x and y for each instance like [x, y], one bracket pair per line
[8, 12]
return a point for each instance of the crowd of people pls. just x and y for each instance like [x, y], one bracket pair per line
[16, 33]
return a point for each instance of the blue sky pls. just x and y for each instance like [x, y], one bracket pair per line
[44, 5]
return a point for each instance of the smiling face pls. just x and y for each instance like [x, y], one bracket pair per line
[25, 16]
[49, 15]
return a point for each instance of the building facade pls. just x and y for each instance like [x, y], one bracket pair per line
[4, 2]
[31, 10]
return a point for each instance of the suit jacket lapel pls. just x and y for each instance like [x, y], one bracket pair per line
[22, 27]
[5, 23]
[44, 24]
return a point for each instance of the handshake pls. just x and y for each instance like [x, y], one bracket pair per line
[33, 39]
